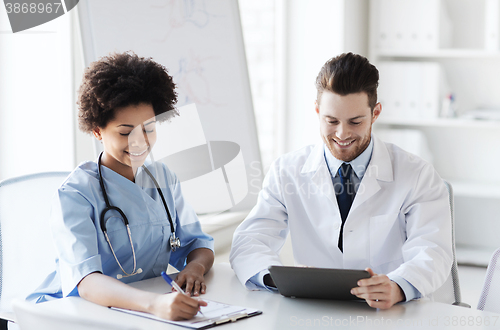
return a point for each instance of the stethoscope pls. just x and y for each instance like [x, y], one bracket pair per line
[175, 242]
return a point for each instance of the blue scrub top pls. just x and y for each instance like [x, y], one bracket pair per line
[81, 245]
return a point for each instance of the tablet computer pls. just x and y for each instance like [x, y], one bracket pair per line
[322, 283]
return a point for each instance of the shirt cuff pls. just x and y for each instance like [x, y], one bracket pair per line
[408, 289]
[256, 282]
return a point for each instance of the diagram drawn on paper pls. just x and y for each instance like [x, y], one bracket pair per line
[182, 13]
[192, 83]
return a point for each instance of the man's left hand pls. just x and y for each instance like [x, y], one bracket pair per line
[378, 291]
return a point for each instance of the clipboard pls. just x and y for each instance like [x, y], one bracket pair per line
[215, 313]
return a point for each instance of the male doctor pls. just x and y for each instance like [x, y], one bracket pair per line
[352, 201]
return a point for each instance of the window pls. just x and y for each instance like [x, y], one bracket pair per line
[36, 98]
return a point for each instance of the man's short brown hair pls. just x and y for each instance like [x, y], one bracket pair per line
[346, 74]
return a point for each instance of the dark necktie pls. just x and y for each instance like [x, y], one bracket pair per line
[345, 196]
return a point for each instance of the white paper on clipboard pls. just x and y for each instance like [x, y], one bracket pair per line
[214, 313]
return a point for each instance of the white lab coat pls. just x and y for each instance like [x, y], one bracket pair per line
[399, 223]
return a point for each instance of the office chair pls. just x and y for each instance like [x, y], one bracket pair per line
[27, 252]
[490, 296]
[29, 317]
[449, 292]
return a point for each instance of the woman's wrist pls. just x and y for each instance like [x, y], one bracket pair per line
[150, 303]
[197, 266]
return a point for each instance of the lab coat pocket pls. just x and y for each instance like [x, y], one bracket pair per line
[385, 242]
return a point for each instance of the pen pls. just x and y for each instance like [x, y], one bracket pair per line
[174, 285]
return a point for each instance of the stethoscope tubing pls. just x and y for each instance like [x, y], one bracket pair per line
[174, 241]
[109, 207]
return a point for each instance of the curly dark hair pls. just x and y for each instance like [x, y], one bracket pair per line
[119, 80]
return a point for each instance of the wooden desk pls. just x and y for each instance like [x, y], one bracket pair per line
[287, 313]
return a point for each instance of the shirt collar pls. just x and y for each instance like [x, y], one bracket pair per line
[358, 164]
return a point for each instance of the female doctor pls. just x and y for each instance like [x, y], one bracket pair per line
[108, 228]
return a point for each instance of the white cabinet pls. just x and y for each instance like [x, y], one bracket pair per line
[462, 38]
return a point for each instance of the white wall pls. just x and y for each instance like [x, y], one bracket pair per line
[314, 31]
[84, 142]
[356, 16]
[36, 115]
[258, 25]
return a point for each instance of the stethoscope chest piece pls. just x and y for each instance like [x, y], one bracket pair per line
[175, 242]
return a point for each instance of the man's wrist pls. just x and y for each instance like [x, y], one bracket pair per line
[268, 281]
[409, 291]
[400, 294]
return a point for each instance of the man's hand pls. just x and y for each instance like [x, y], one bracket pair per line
[378, 291]
[268, 281]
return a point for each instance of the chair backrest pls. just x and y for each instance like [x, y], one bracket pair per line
[490, 296]
[449, 292]
[31, 317]
[27, 251]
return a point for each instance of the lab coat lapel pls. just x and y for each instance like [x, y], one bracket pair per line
[316, 167]
[327, 215]
[380, 168]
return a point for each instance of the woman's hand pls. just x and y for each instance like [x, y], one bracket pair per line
[199, 261]
[176, 306]
[107, 291]
[192, 277]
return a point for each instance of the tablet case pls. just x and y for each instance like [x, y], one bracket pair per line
[322, 283]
